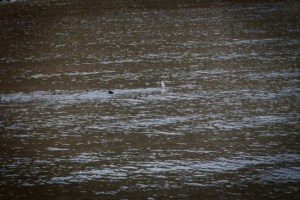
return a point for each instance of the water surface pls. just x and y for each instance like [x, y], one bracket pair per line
[227, 126]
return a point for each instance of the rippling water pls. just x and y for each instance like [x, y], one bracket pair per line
[227, 126]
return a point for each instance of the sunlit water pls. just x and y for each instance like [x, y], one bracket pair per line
[227, 125]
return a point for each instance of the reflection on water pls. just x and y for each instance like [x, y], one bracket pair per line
[227, 125]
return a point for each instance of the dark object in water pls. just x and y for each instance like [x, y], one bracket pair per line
[110, 92]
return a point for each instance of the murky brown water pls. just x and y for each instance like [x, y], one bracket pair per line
[227, 126]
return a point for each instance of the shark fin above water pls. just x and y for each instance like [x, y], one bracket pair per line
[163, 87]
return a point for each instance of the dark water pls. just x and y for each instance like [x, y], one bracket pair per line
[226, 128]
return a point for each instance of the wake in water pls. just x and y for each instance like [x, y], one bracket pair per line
[64, 96]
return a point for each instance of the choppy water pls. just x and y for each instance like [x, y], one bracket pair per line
[227, 126]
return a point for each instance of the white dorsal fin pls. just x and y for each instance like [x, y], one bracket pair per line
[163, 86]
